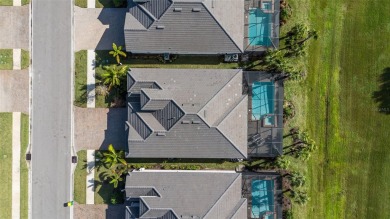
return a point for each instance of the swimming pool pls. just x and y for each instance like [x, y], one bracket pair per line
[259, 27]
[263, 102]
[263, 199]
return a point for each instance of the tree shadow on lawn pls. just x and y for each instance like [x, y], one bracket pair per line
[382, 96]
[106, 190]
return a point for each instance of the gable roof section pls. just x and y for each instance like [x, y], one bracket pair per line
[179, 28]
[185, 195]
[202, 116]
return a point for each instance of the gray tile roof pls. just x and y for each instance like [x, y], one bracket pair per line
[185, 27]
[206, 116]
[185, 194]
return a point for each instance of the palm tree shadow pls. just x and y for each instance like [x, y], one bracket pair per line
[382, 96]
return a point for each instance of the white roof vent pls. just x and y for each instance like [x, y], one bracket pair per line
[160, 27]
[196, 9]
[177, 9]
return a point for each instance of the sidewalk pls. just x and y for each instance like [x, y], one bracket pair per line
[16, 116]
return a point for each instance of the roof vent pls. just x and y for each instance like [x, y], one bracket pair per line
[161, 134]
[196, 9]
[196, 122]
[160, 27]
[177, 9]
[185, 122]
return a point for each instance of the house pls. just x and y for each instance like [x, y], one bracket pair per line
[185, 26]
[187, 113]
[168, 194]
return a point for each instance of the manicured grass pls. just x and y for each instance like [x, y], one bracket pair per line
[81, 3]
[6, 2]
[24, 141]
[25, 59]
[6, 58]
[349, 175]
[25, 2]
[5, 164]
[80, 177]
[80, 79]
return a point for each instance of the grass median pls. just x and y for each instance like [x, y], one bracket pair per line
[80, 177]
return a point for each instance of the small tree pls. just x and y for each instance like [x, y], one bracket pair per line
[282, 163]
[296, 39]
[297, 179]
[113, 157]
[299, 197]
[117, 52]
[113, 76]
[115, 178]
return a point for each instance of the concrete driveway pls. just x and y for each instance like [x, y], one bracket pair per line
[101, 211]
[14, 31]
[14, 91]
[97, 28]
[96, 128]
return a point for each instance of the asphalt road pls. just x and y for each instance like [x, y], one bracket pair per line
[51, 134]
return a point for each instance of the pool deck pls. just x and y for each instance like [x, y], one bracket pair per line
[273, 136]
[275, 20]
[248, 177]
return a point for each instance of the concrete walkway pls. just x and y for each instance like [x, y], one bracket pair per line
[91, 79]
[16, 164]
[90, 198]
[17, 2]
[91, 4]
[17, 59]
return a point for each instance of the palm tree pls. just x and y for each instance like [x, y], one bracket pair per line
[117, 52]
[115, 178]
[299, 197]
[113, 76]
[282, 163]
[297, 179]
[112, 157]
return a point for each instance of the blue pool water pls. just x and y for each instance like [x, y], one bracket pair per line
[263, 101]
[259, 27]
[262, 199]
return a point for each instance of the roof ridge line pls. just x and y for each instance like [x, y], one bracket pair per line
[239, 70]
[226, 114]
[212, 207]
[245, 156]
[219, 24]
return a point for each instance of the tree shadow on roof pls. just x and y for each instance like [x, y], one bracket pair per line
[382, 96]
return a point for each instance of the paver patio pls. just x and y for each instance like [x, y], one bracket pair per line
[14, 26]
[98, 28]
[96, 128]
[14, 91]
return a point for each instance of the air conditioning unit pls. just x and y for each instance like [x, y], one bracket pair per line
[231, 57]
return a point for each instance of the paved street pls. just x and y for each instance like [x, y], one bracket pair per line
[51, 108]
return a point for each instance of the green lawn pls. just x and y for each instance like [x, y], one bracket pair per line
[24, 140]
[25, 59]
[25, 2]
[80, 177]
[80, 79]
[5, 164]
[6, 2]
[349, 175]
[6, 58]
